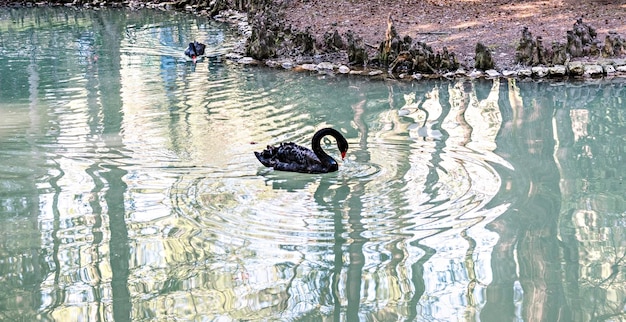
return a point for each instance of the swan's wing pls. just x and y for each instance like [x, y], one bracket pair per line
[290, 157]
[293, 153]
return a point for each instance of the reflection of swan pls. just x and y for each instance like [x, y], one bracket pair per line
[195, 50]
[296, 158]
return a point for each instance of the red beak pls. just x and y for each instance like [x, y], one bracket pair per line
[193, 58]
[343, 155]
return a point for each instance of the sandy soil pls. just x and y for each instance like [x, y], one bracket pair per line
[459, 24]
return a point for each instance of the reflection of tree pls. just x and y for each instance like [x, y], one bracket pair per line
[590, 129]
[536, 239]
[349, 195]
[110, 27]
[21, 272]
[540, 244]
[349, 229]
[72, 241]
[400, 278]
[34, 35]
[465, 121]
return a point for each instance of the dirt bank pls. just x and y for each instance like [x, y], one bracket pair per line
[459, 24]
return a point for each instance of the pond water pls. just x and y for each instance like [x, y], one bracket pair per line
[129, 189]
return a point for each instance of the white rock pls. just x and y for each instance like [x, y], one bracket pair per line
[525, 72]
[287, 65]
[539, 71]
[475, 74]
[509, 73]
[233, 56]
[309, 66]
[492, 73]
[325, 66]
[557, 70]
[375, 72]
[344, 69]
[248, 61]
[593, 70]
[272, 63]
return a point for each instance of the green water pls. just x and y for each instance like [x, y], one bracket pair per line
[129, 189]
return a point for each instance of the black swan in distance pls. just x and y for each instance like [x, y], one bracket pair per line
[195, 50]
[295, 158]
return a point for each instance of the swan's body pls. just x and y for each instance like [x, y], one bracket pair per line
[295, 158]
[195, 50]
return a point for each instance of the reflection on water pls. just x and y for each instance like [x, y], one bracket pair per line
[128, 187]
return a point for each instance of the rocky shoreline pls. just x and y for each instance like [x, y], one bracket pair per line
[267, 41]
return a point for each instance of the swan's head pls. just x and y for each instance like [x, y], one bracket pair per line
[191, 52]
[342, 144]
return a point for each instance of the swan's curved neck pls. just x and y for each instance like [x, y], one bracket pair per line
[326, 159]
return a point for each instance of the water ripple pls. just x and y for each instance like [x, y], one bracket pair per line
[124, 143]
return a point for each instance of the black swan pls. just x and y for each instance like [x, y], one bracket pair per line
[295, 158]
[195, 50]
